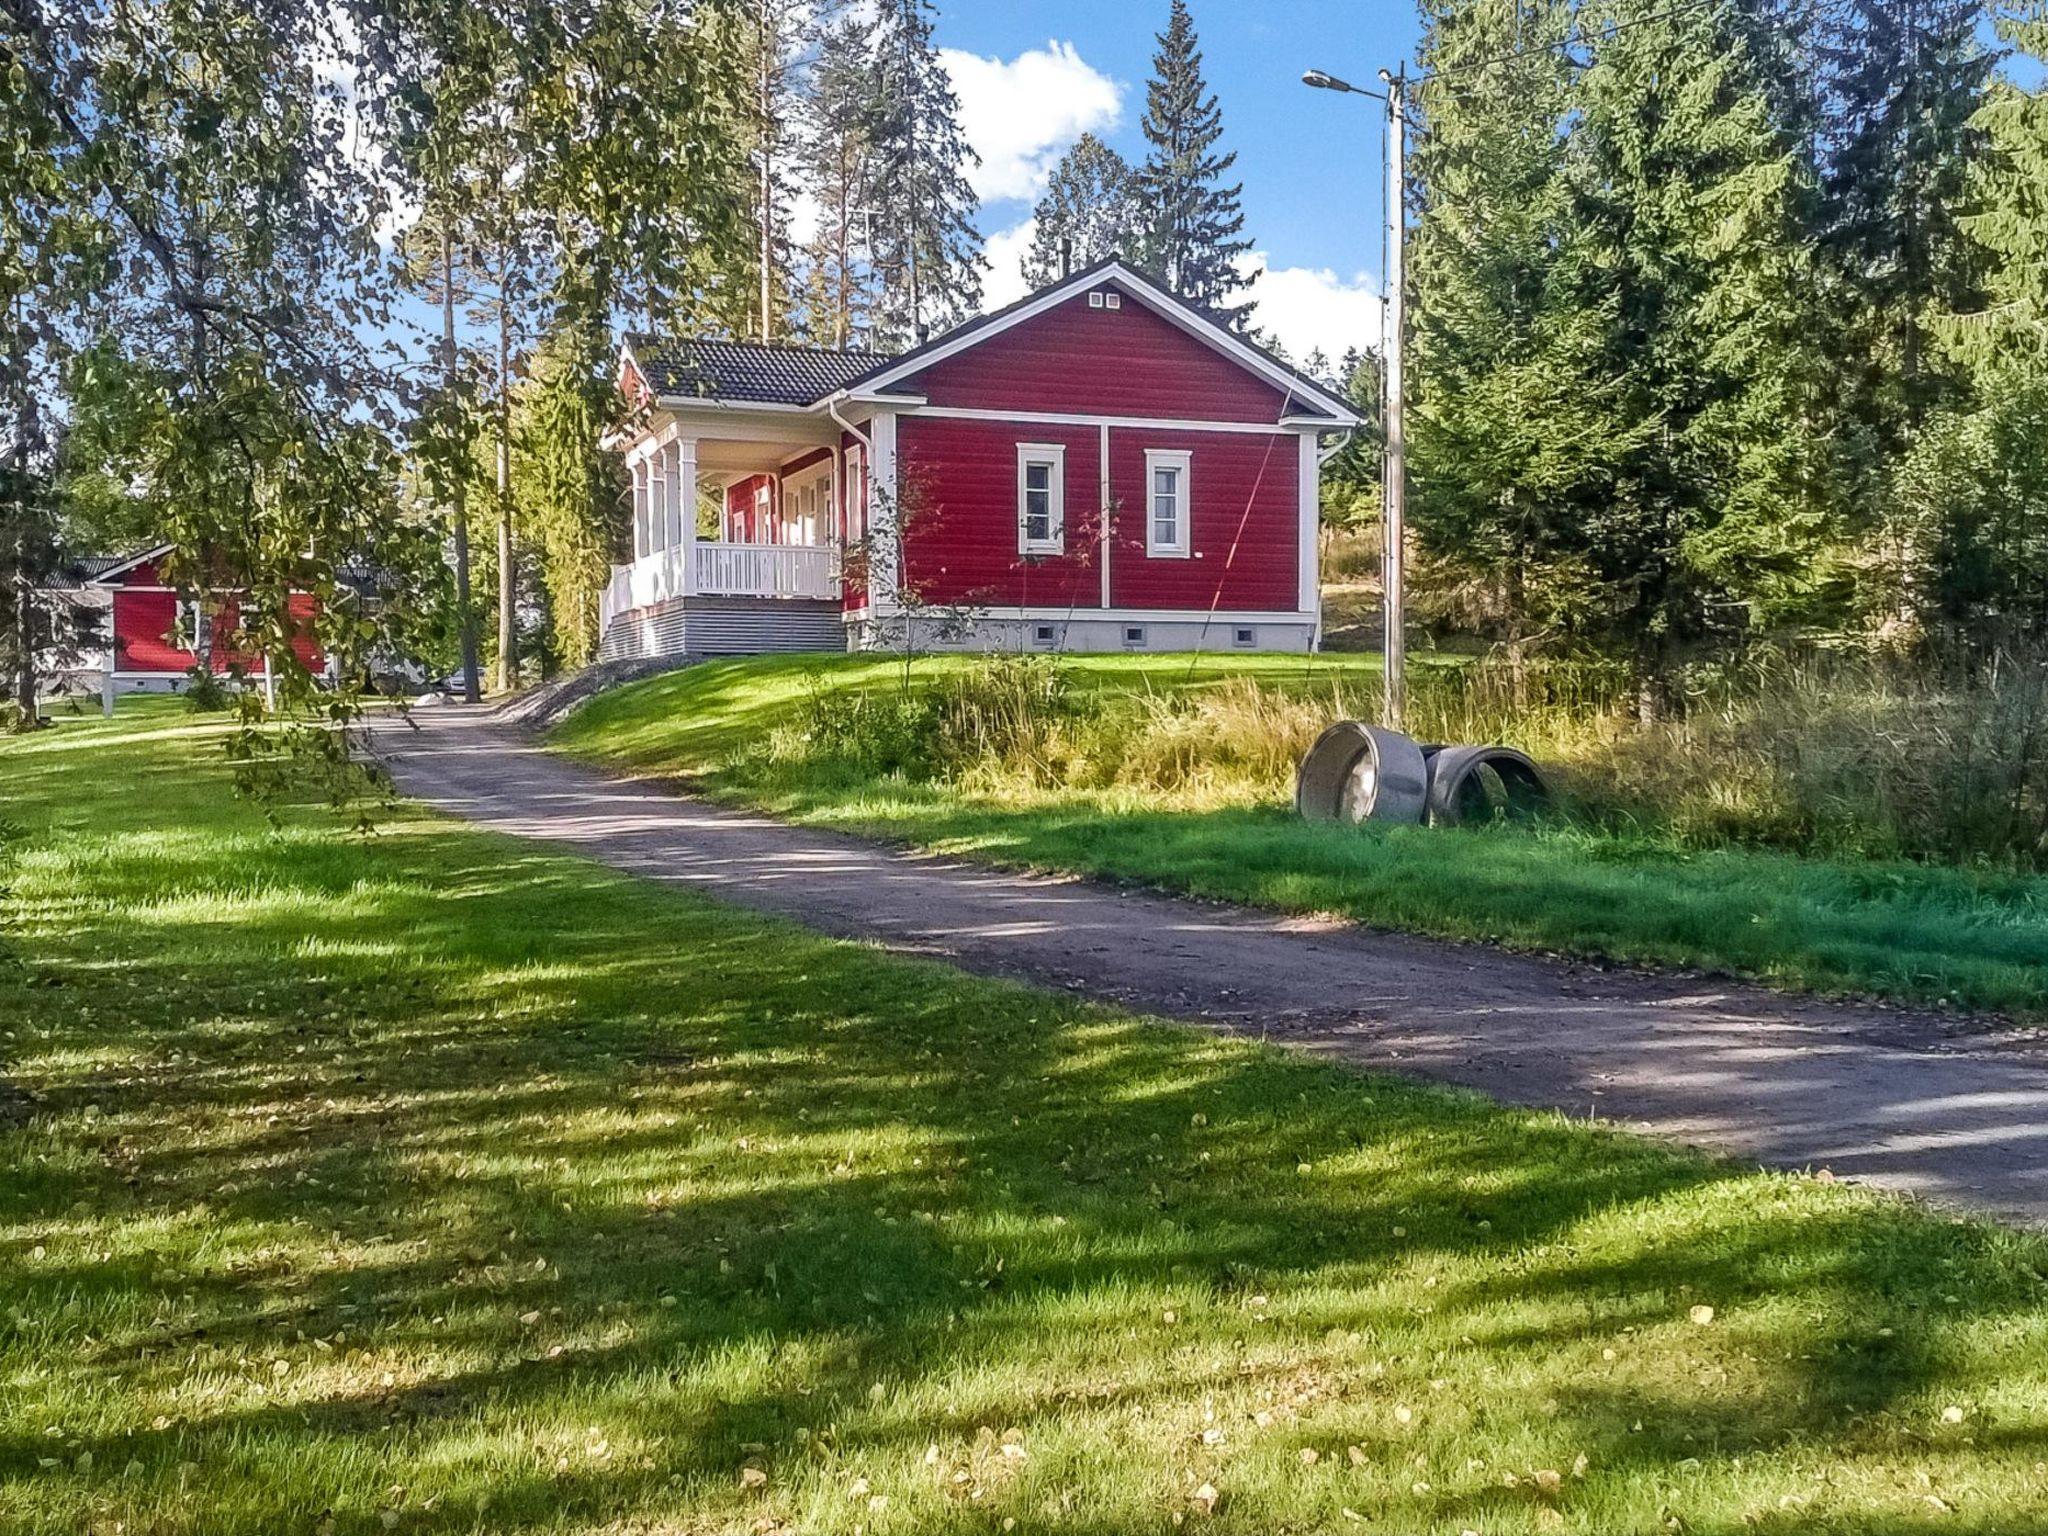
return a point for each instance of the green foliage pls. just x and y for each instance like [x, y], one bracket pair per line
[927, 251]
[568, 485]
[1090, 208]
[1193, 224]
[838, 134]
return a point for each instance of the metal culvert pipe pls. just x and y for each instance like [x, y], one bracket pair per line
[1468, 784]
[1357, 772]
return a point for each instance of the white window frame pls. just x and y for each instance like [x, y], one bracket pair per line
[1054, 456]
[1181, 461]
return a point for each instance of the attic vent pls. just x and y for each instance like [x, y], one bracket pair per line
[1112, 301]
[1095, 301]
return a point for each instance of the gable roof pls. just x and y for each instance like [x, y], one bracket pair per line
[757, 373]
[108, 567]
[1204, 325]
[748, 372]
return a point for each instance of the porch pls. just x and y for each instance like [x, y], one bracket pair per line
[734, 547]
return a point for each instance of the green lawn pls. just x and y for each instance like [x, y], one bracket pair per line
[433, 1182]
[1909, 931]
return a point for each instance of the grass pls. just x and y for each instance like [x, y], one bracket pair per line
[1973, 939]
[436, 1183]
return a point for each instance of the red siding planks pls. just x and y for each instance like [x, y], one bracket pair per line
[144, 622]
[1112, 362]
[1244, 525]
[958, 487]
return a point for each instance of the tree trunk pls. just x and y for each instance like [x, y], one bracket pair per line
[508, 571]
[471, 691]
[764, 106]
[24, 585]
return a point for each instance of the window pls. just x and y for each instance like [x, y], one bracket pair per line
[1244, 637]
[1112, 301]
[1134, 637]
[1167, 473]
[1095, 301]
[1041, 498]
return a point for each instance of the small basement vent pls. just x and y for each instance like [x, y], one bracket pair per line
[1134, 637]
[1044, 634]
[1244, 637]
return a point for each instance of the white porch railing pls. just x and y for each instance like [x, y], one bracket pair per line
[722, 570]
[767, 570]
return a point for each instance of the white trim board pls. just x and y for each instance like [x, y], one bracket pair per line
[1141, 423]
[1220, 617]
[102, 580]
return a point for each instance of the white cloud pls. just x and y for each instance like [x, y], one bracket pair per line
[1021, 115]
[1004, 283]
[1310, 307]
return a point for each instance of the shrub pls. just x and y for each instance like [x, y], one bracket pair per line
[205, 694]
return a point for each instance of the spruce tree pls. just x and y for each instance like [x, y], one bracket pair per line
[1089, 212]
[1902, 80]
[1509, 433]
[1691, 230]
[926, 245]
[1967, 520]
[1194, 227]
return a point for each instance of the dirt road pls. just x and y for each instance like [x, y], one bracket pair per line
[1869, 1094]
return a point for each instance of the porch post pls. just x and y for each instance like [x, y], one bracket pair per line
[885, 515]
[639, 508]
[683, 507]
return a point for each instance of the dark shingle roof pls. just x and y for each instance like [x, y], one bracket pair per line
[746, 371]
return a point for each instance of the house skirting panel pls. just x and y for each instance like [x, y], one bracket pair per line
[723, 626]
[1130, 631]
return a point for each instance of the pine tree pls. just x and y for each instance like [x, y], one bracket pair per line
[1193, 224]
[838, 136]
[782, 31]
[925, 242]
[1089, 212]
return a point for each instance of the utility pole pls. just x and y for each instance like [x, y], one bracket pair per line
[1394, 462]
[1394, 490]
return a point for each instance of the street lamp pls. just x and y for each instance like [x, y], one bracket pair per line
[1394, 467]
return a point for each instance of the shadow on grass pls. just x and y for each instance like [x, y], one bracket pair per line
[437, 1178]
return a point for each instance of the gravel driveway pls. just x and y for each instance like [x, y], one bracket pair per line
[1873, 1095]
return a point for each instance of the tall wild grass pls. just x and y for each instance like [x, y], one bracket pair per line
[1819, 754]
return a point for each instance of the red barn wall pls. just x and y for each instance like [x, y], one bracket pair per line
[1127, 361]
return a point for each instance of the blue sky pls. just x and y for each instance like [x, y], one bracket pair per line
[1034, 76]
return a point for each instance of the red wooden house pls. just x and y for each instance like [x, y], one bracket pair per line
[157, 633]
[1100, 466]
